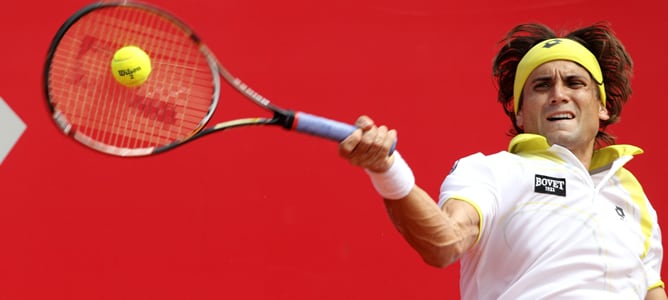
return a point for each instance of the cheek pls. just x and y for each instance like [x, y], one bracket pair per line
[595, 123]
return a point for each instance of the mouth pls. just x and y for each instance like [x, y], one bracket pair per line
[561, 116]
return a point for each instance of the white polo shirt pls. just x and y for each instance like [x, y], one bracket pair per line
[550, 229]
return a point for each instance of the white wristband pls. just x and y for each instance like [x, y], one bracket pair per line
[396, 182]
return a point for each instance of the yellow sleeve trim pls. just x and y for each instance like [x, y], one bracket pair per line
[656, 285]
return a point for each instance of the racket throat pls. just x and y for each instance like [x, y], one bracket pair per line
[285, 118]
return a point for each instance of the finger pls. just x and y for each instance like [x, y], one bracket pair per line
[375, 149]
[379, 159]
[390, 140]
[358, 156]
[372, 152]
[368, 137]
[384, 158]
[364, 122]
[348, 145]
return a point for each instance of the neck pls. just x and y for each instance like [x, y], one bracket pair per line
[583, 155]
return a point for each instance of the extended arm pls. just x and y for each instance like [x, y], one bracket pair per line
[439, 234]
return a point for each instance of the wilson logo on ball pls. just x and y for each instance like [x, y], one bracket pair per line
[129, 72]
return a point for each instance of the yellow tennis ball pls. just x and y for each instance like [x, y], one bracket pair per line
[131, 66]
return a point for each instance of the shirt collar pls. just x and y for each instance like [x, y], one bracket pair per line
[528, 142]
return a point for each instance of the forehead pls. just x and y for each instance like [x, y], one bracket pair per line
[559, 67]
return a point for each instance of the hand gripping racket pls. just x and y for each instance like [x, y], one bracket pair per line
[172, 107]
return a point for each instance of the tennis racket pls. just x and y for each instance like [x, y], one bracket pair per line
[175, 103]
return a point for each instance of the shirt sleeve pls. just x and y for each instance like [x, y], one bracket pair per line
[472, 180]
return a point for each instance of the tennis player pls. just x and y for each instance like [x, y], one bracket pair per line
[556, 215]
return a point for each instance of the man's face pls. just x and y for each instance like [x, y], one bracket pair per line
[560, 102]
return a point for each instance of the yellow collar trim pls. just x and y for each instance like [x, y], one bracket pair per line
[528, 142]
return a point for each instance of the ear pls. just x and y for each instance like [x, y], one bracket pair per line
[603, 113]
[519, 119]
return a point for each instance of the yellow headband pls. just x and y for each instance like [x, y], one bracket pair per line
[556, 49]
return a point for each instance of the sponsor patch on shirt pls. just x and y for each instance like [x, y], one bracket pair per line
[550, 185]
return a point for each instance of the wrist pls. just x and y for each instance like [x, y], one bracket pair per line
[395, 183]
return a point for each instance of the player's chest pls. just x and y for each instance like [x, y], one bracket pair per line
[555, 208]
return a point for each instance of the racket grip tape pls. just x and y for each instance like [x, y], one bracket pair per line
[326, 128]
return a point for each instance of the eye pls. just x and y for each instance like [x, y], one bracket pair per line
[541, 85]
[576, 83]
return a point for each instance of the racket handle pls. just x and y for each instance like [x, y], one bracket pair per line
[326, 128]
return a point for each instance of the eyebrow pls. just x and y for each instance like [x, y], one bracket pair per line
[543, 78]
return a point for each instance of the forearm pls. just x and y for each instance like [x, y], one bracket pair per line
[440, 236]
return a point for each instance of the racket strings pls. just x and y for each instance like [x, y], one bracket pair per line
[173, 104]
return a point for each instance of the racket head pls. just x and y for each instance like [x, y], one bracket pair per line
[87, 104]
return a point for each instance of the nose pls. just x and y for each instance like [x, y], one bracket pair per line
[558, 94]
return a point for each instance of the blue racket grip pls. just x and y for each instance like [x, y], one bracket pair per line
[326, 128]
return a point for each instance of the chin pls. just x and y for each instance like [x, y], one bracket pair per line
[570, 141]
[561, 139]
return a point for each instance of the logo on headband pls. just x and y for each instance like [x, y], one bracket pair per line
[551, 43]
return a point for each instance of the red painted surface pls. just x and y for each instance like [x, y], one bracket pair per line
[263, 213]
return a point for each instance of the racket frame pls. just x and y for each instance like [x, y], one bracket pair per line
[288, 119]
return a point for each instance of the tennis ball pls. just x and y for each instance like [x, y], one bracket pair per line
[131, 66]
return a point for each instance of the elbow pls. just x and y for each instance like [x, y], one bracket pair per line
[436, 262]
[441, 256]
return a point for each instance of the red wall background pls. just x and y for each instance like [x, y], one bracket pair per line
[262, 213]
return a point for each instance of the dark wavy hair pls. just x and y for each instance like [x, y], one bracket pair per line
[599, 38]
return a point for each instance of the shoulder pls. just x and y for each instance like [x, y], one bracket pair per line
[480, 170]
[483, 161]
